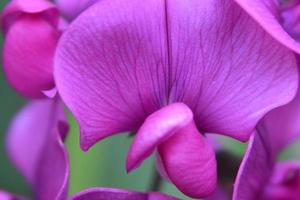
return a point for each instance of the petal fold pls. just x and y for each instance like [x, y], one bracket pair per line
[53, 171]
[157, 128]
[190, 162]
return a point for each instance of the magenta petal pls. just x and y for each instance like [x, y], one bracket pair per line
[28, 53]
[267, 14]
[118, 194]
[23, 149]
[158, 127]
[71, 9]
[31, 35]
[281, 126]
[34, 145]
[53, 171]
[190, 162]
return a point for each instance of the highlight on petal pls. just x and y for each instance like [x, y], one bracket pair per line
[157, 128]
[120, 61]
[118, 194]
[285, 181]
[71, 9]
[34, 143]
[267, 14]
[190, 162]
[29, 46]
[7, 196]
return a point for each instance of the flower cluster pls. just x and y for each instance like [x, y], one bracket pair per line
[170, 72]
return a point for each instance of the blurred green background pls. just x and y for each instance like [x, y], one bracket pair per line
[102, 166]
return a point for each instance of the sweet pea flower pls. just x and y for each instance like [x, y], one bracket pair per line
[172, 71]
[35, 145]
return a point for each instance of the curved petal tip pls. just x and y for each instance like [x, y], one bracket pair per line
[159, 126]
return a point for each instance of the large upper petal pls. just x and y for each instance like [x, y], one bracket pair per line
[71, 9]
[34, 143]
[120, 61]
[31, 35]
[118, 194]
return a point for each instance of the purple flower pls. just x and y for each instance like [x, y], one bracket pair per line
[35, 144]
[173, 71]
